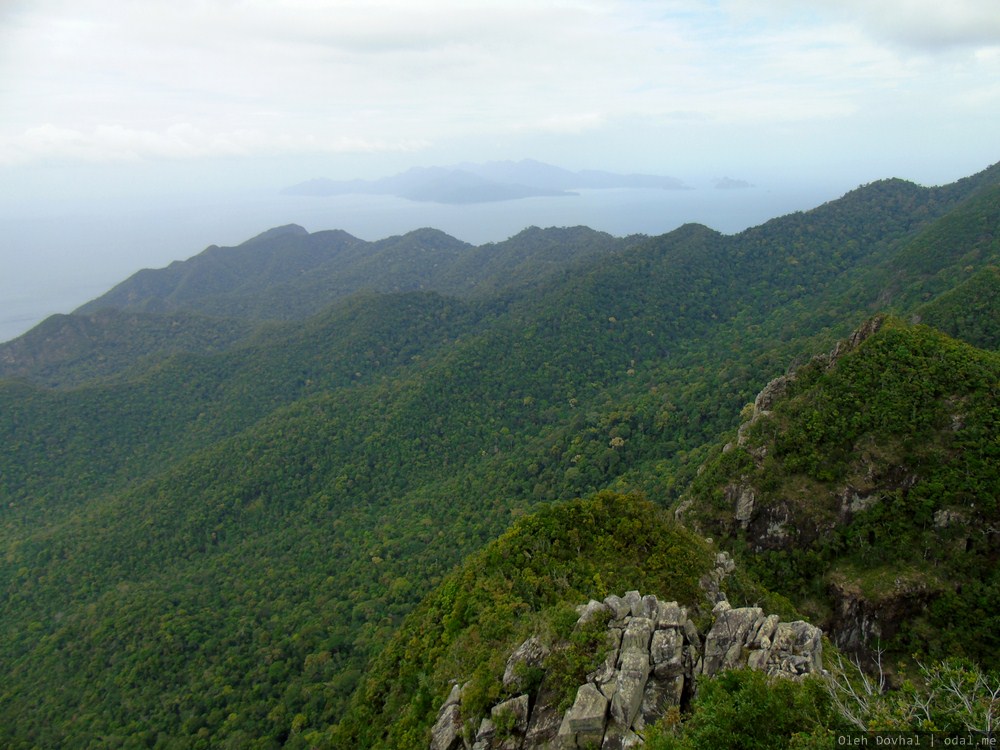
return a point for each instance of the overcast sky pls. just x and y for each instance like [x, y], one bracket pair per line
[298, 88]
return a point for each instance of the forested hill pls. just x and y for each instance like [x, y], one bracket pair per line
[211, 524]
[287, 272]
[866, 485]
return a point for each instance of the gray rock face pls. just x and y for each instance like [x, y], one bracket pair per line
[638, 632]
[589, 711]
[511, 715]
[447, 731]
[590, 610]
[654, 655]
[620, 609]
[667, 653]
[529, 655]
[748, 637]
[771, 394]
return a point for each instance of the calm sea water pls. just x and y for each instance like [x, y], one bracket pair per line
[53, 262]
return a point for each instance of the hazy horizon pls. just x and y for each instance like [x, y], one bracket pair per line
[56, 266]
[115, 113]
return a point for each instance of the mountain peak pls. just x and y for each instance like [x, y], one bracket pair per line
[285, 229]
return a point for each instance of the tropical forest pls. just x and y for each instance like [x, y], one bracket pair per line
[566, 490]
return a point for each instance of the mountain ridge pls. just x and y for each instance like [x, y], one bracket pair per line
[215, 545]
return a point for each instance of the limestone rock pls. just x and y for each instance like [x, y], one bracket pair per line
[446, 733]
[454, 696]
[724, 645]
[588, 711]
[543, 725]
[632, 676]
[654, 654]
[487, 730]
[511, 713]
[667, 653]
[648, 607]
[529, 655]
[590, 610]
[800, 646]
[868, 328]
[637, 635]
[634, 600]
[746, 500]
[546, 718]
[566, 737]
[657, 697]
[765, 633]
[617, 738]
[771, 394]
[670, 615]
[620, 609]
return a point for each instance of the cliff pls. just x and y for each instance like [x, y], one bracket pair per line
[648, 661]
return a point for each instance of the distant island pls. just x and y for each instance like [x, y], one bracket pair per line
[484, 183]
[730, 183]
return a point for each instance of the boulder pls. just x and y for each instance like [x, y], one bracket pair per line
[454, 697]
[590, 610]
[446, 734]
[666, 651]
[799, 647]
[618, 738]
[513, 715]
[632, 676]
[620, 609]
[634, 600]
[637, 634]
[588, 712]
[670, 615]
[529, 655]
[648, 607]
[657, 697]
[487, 730]
[725, 642]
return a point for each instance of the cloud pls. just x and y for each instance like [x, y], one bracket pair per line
[574, 122]
[184, 79]
[115, 143]
[927, 26]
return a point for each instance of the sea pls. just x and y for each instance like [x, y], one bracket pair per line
[53, 260]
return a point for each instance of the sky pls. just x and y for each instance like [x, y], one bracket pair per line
[105, 101]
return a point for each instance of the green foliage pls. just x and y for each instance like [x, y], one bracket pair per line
[207, 538]
[68, 350]
[578, 652]
[908, 422]
[520, 584]
[747, 710]
[970, 311]
[288, 273]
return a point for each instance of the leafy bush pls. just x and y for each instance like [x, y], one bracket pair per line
[747, 710]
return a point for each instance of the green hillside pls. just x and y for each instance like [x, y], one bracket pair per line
[524, 582]
[209, 534]
[68, 350]
[969, 311]
[288, 273]
[866, 486]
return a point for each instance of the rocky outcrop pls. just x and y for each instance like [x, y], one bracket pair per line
[867, 329]
[859, 620]
[655, 654]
